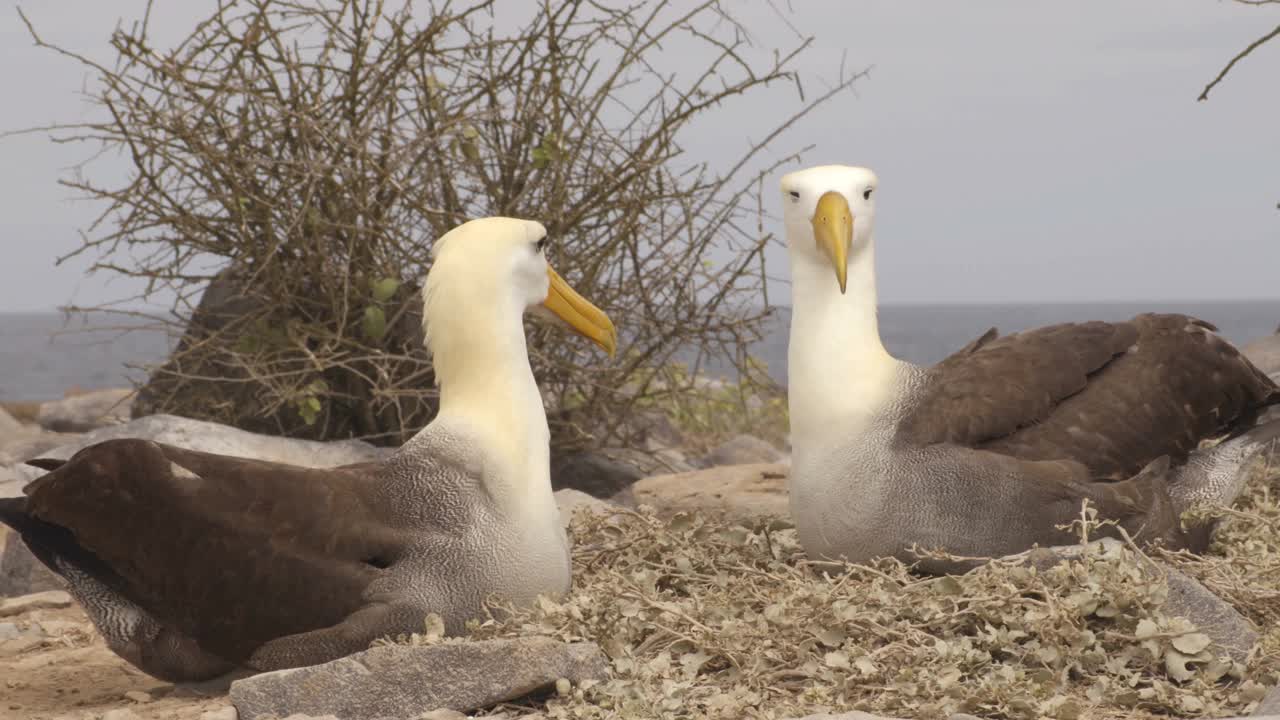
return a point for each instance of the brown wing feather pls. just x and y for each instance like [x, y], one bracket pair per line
[996, 385]
[1112, 396]
[232, 552]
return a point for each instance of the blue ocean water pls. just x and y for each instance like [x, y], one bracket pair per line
[42, 355]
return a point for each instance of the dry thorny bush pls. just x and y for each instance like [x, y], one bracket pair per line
[702, 618]
[307, 153]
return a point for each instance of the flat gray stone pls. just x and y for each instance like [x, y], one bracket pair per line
[222, 713]
[215, 438]
[854, 715]
[739, 492]
[1231, 632]
[403, 681]
[48, 600]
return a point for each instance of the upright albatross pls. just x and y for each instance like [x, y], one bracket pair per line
[193, 564]
[986, 452]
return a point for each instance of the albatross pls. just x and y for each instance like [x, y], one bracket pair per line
[194, 565]
[992, 450]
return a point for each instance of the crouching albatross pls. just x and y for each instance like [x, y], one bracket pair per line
[193, 565]
[986, 452]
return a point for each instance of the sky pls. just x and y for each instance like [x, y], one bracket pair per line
[1027, 151]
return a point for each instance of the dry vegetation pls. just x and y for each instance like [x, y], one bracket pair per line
[704, 619]
[302, 156]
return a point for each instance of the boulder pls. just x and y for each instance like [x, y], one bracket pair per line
[31, 442]
[593, 473]
[404, 681]
[86, 411]
[20, 572]
[215, 438]
[741, 450]
[1264, 353]
[569, 501]
[235, 313]
[855, 715]
[8, 424]
[741, 492]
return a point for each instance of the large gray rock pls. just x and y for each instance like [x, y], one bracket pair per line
[8, 424]
[215, 438]
[741, 492]
[1264, 353]
[569, 502]
[404, 681]
[741, 450]
[1231, 632]
[593, 473]
[86, 411]
[20, 572]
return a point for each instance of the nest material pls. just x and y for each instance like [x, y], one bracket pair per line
[704, 618]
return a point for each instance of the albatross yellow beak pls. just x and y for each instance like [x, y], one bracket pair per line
[833, 227]
[587, 319]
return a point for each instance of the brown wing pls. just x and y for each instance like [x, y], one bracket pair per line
[1112, 396]
[231, 552]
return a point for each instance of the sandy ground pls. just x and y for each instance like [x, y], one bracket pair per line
[70, 674]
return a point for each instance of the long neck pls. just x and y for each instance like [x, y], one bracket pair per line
[839, 374]
[481, 362]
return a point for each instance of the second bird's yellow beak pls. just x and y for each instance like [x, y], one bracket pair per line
[833, 228]
[585, 318]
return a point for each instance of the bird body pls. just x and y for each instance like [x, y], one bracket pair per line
[195, 564]
[991, 450]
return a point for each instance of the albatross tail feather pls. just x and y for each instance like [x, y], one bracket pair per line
[1216, 475]
[49, 464]
[54, 545]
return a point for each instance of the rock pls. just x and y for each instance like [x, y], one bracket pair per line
[8, 423]
[222, 713]
[8, 631]
[569, 501]
[1231, 632]
[32, 442]
[215, 438]
[1270, 704]
[593, 473]
[20, 572]
[120, 714]
[48, 600]
[85, 412]
[737, 491]
[1264, 353]
[197, 382]
[138, 696]
[740, 450]
[406, 680]
[442, 714]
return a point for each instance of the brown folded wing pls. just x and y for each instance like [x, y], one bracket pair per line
[229, 551]
[1112, 396]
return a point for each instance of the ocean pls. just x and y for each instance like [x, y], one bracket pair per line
[43, 355]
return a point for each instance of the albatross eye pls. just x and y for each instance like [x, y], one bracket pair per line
[541, 244]
[795, 195]
[866, 194]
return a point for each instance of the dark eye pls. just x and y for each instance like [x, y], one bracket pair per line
[541, 244]
[795, 195]
[866, 194]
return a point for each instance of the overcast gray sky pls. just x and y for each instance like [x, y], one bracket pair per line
[1027, 151]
